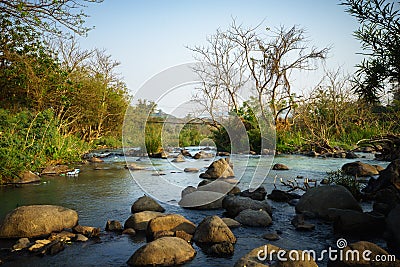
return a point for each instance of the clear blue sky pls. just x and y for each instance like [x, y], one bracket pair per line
[150, 36]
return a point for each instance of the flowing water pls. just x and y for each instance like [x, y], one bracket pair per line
[106, 191]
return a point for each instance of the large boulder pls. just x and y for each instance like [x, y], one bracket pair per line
[235, 204]
[387, 177]
[357, 223]
[170, 222]
[140, 220]
[319, 200]
[220, 186]
[364, 259]
[218, 169]
[359, 169]
[202, 200]
[254, 218]
[37, 220]
[392, 234]
[146, 203]
[262, 256]
[386, 199]
[165, 251]
[213, 230]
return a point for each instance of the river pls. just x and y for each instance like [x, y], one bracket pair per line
[106, 191]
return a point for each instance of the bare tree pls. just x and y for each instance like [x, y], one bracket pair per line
[271, 61]
[222, 69]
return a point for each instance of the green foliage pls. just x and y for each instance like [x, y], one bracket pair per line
[190, 136]
[350, 182]
[28, 141]
[380, 38]
[153, 140]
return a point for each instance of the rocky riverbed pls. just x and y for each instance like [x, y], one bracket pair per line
[105, 191]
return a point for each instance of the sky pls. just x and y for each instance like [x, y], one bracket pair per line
[150, 36]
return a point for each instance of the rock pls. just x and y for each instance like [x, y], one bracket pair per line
[39, 244]
[220, 186]
[280, 167]
[22, 243]
[55, 170]
[170, 222]
[140, 220]
[379, 168]
[282, 196]
[351, 155]
[319, 200]
[312, 154]
[134, 167]
[212, 229]
[95, 160]
[261, 256]
[179, 158]
[37, 220]
[63, 236]
[223, 154]
[361, 261]
[223, 249]
[299, 222]
[26, 177]
[357, 223]
[218, 169]
[271, 236]
[392, 234]
[257, 194]
[114, 226]
[202, 200]
[390, 175]
[235, 204]
[185, 153]
[159, 155]
[324, 181]
[81, 238]
[191, 170]
[203, 155]
[166, 251]
[231, 223]
[254, 218]
[129, 231]
[359, 169]
[88, 231]
[146, 203]
[188, 190]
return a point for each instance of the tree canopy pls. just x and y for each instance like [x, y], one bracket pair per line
[379, 35]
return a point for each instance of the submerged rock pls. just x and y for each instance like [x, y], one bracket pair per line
[165, 251]
[37, 220]
[113, 226]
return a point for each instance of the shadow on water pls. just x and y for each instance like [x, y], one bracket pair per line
[106, 191]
